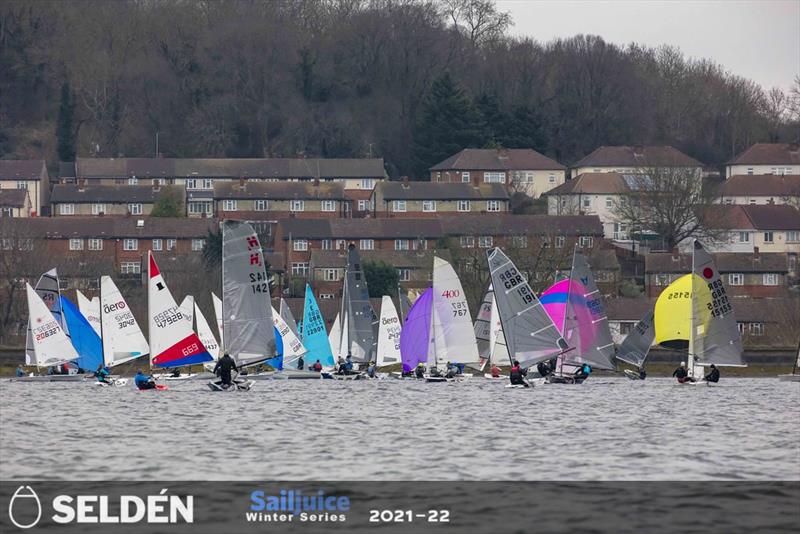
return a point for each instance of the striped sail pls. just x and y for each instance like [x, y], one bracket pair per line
[530, 334]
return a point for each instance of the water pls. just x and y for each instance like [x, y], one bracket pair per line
[605, 429]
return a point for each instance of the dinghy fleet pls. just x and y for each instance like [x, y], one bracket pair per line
[557, 337]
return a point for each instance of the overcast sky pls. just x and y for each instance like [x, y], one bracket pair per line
[757, 39]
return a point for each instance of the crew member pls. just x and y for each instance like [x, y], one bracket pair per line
[682, 374]
[642, 373]
[348, 364]
[144, 381]
[713, 376]
[420, 372]
[517, 375]
[495, 371]
[317, 366]
[102, 374]
[341, 368]
[176, 372]
[544, 368]
[371, 370]
[20, 370]
[300, 363]
[582, 372]
[223, 369]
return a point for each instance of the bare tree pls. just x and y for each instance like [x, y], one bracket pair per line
[479, 20]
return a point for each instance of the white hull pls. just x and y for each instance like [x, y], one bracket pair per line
[49, 378]
[170, 378]
[115, 382]
[244, 385]
[334, 376]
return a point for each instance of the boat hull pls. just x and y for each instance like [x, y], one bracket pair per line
[236, 386]
[49, 378]
[789, 378]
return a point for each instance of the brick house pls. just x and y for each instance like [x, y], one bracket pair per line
[521, 169]
[106, 200]
[15, 203]
[751, 227]
[429, 199]
[766, 158]
[27, 174]
[278, 200]
[632, 159]
[761, 189]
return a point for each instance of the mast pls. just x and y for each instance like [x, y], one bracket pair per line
[102, 341]
[692, 326]
[222, 338]
[568, 310]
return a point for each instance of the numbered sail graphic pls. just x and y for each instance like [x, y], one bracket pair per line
[388, 334]
[122, 338]
[292, 346]
[48, 290]
[637, 343]
[315, 337]
[286, 313]
[453, 331]
[187, 310]
[50, 344]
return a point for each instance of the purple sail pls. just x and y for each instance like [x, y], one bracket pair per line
[414, 338]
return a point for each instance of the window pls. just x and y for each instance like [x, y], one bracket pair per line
[494, 177]
[750, 171]
[191, 183]
[76, 244]
[328, 205]
[228, 205]
[492, 205]
[297, 205]
[736, 279]
[199, 208]
[586, 241]
[609, 202]
[428, 205]
[793, 236]
[327, 244]
[135, 209]
[158, 244]
[300, 268]
[367, 183]
[770, 279]
[625, 327]
[66, 209]
[171, 244]
[366, 244]
[330, 275]
[420, 244]
[364, 205]
[464, 205]
[519, 241]
[208, 183]
[781, 170]
[300, 245]
[551, 178]
[587, 202]
[404, 275]
[465, 177]
[744, 237]
[756, 329]
[22, 184]
[467, 241]
[130, 244]
[340, 243]
[261, 205]
[401, 244]
[398, 206]
[662, 279]
[559, 241]
[769, 237]
[95, 244]
[97, 209]
[130, 267]
[485, 241]
[326, 296]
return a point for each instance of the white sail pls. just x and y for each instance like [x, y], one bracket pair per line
[497, 341]
[47, 287]
[335, 337]
[187, 310]
[453, 331]
[292, 346]
[286, 313]
[344, 347]
[51, 346]
[205, 334]
[122, 338]
[388, 334]
[91, 310]
[218, 316]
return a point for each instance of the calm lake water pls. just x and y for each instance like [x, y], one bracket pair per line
[607, 429]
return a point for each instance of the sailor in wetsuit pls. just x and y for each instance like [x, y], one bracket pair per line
[642, 373]
[300, 363]
[144, 381]
[223, 369]
[582, 372]
[713, 376]
[20, 370]
[317, 366]
[544, 368]
[517, 375]
[682, 374]
[420, 371]
[495, 371]
[102, 374]
[371, 369]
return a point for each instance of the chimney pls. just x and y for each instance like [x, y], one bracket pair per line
[82, 185]
[756, 256]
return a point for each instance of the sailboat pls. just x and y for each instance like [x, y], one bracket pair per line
[247, 325]
[122, 338]
[292, 350]
[49, 344]
[335, 338]
[389, 331]
[636, 345]
[585, 325]
[205, 333]
[47, 287]
[91, 310]
[415, 337]
[489, 335]
[529, 332]
[286, 313]
[357, 337]
[795, 376]
[315, 338]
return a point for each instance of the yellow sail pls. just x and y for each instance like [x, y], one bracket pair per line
[674, 311]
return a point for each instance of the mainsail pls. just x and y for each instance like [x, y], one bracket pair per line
[50, 345]
[187, 310]
[205, 333]
[715, 335]
[286, 313]
[49, 292]
[453, 331]
[530, 334]
[292, 347]
[357, 313]
[388, 334]
[315, 338]
[91, 310]
[335, 338]
[246, 308]
[415, 337]
[585, 323]
[122, 337]
[84, 339]
[489, 333]
[636, 345]
[218, 316]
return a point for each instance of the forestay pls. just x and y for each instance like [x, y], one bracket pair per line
[637, 343]
[122, 338]
[50, 344]
[388, 334]
[530, 334]
[315, 338]
[246, 308]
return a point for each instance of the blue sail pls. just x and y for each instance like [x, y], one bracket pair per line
[277, 362]
[85, 340]
[315, 335]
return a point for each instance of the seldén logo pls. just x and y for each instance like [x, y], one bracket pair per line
[25, 508]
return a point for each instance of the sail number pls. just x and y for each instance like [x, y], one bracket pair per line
[513, 280]
[169, 316]
[191, 349]
[459, 309]
[259, 283]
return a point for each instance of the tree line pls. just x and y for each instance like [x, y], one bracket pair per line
[411, 81]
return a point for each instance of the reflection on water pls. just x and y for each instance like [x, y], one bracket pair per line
[608, 428]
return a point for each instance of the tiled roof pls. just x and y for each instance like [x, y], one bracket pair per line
[13, 198]
[503, 159]
[773, 217]
[279, 190]
[728, 262]
[22, 169]
[767, 185]
[114, 194]
[637, 157]
[419, 259]
[507, 224]
[360, 228]
[115, 227]
[592, 183]
[769, 154]
[440, 191]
